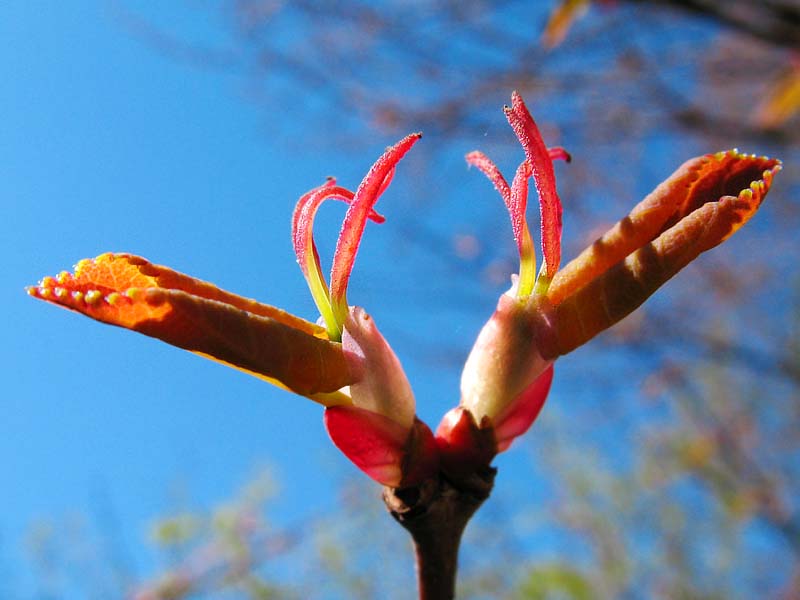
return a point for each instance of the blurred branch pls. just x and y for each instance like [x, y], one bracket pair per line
[770, 21]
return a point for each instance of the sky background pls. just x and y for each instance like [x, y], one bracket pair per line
[110, 142]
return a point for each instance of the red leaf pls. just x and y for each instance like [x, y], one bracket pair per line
[389, 453]
[520, 414]
[486, 165]
[365, 198]
[303, 219]
[305, 211]
[545, 180]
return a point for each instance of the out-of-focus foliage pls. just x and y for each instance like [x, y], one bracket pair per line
[782, 102]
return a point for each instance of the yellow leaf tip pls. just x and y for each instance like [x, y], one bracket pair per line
[135, 294]
[114, 298]
[57, 289]
[82, 264]
[39, 292]
[93, 297]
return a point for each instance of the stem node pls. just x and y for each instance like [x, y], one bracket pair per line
[435, 513]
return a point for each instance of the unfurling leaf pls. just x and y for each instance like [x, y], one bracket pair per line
[697, 208]
[130, 292]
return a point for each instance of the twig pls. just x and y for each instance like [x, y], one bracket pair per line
[436, 513]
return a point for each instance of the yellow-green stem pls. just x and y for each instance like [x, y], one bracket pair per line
[527, 265]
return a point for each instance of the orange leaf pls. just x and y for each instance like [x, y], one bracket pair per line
[782, 101]
[128, 291]
[702, 204]
[561, 19]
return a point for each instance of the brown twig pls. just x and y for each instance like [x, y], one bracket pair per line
[435, 513]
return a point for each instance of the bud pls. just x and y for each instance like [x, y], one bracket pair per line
[380, 433]
[380, 383]
[512, 350]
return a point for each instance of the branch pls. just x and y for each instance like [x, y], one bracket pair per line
[771, 21]
[436, 513]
